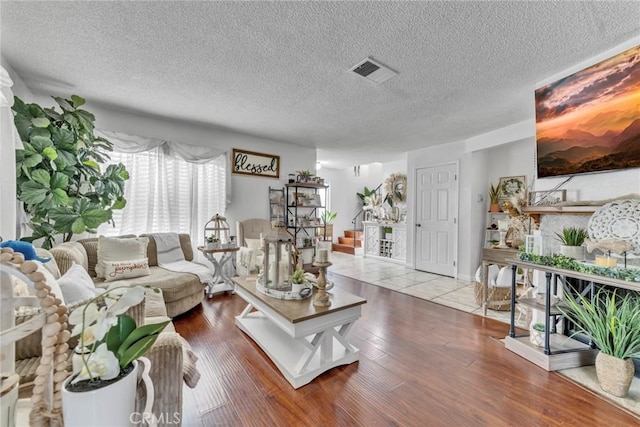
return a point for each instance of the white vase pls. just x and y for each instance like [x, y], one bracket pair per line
[113, 405]
[575, 252]
[297, 287]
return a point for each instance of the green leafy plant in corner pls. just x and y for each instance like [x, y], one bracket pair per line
[59, 178]
[610, 321]
[572, 236]
[494, 194]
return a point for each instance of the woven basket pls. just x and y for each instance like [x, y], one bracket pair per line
[498, 297]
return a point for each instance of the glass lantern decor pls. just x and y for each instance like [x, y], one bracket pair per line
[278, 264]
[538, 244]
[217, 230]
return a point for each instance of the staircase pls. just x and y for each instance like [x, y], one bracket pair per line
[345, 244]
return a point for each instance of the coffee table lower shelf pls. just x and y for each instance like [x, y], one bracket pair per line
[297, 361]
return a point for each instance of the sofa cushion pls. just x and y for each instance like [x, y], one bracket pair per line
[174, 286]
[91, 246]
[152, 249]
[119, 249]
[68, 253]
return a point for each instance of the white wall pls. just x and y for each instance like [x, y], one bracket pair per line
[345, 184]
[249, 195]
[8, 211]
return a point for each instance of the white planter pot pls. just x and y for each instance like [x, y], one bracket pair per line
[536, 337]
[213, 245]
[297, 287]
[575, 252]
[388, 236]
[113, 405]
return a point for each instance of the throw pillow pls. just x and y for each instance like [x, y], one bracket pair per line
[252, 243]
[76, 285]
[119, 249]
[116, 270]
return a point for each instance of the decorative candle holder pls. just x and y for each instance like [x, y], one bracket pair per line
[503, 227]
[322, 297]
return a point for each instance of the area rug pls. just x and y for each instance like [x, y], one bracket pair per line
[586, 378]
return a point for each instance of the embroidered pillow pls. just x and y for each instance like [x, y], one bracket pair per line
[117, 270]
[119, 249]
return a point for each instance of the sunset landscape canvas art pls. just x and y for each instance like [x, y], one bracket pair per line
[590, 121]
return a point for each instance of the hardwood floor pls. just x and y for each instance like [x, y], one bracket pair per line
[421, 364]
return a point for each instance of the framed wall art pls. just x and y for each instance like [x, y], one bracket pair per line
[255, 164]
[512, 186]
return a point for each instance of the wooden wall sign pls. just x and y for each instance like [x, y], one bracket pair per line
[255, 164]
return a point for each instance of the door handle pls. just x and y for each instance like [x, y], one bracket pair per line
[418, 225]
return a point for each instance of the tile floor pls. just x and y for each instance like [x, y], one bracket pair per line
[443, 290]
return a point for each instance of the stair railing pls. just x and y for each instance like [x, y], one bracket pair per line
[354, 221]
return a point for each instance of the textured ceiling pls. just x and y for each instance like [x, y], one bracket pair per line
[280, 69]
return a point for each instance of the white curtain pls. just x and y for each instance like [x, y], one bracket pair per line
[9, 142]
[165, 191]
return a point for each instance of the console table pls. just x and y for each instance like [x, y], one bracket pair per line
[559, 351]
[301, 339]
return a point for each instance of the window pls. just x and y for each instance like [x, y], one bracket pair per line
[165, 193]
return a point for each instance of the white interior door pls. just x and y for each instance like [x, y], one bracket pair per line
[436, 219]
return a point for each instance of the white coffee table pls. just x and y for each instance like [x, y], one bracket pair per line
[302, 340]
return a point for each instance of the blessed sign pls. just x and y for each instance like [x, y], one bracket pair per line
[255, 164]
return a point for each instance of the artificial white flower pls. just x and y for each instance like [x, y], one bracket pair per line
[373, 200]
[97, 331]
[100, 364]
[90, 312]
[125, 297]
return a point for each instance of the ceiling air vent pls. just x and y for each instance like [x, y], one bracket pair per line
[374, 71]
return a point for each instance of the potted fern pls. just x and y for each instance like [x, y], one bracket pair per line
[612, 323]
[572, 239]
[494, 197]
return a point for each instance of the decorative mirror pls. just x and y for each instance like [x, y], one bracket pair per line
[396, 186]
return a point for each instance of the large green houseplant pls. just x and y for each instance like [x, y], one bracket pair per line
[612, 323]
[59, 178]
